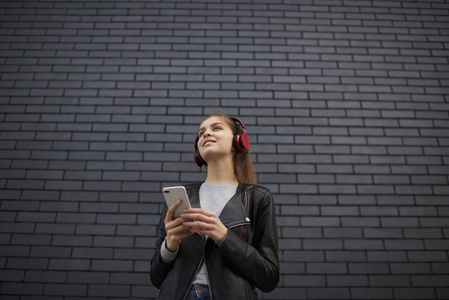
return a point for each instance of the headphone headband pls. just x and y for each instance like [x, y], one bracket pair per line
[237, 120]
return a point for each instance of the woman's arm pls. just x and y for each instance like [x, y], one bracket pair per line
[159, 269]
[171, 231]
[259, 262]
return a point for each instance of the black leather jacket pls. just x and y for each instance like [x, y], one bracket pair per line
[246, 259]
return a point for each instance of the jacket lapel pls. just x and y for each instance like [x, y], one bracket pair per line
[234, 212]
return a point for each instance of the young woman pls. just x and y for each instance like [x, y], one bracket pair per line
[226, 244]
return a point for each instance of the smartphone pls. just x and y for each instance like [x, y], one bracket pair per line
[173, 194]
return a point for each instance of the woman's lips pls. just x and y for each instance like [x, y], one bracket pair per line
[208, 142]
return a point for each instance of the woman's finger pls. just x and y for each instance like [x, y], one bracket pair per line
[171, 210]
[199, 211]
[173, 224]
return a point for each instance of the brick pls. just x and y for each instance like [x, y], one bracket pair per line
[136, 208]
[438, 267]
[88, 277]
[342, 233]
[415, 293]
[300, 233]
[368, 268]
[298, 211]
[423, 233]
[25, 184]
[11, 275]
[436, 244]
[27, 263]
[337, 189]
[35, 217]
[14, 251]
[72, 240]
[95, 229]
[326, 293]
[399, 222]
[366, 293]
[55, 229]
[346, 256]
[75, 218]
[360, 244]
[387, 256]
[35, 239]
[10, 204]
[426, 256]
[319, 244]
[109, 290]
[126, 253]
[83, 252]
[306, 281]
[429, 280]
[8, 217]
[22, 288]
[326, 268]
[128, 230]
[117, 197]
[383, 233]
[418, 211]
[101, 241]
[98, 207]
[65, 289]
[347, 280]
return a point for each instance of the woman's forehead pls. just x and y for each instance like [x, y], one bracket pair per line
[212, 120]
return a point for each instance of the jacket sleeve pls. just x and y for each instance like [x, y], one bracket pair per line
[258, 262]
[159, 269]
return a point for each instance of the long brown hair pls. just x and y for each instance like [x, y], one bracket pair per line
[243, 166]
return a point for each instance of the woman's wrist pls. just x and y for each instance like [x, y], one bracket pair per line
[167, 256]
[222, 236]
[171, 246]
[219, 243]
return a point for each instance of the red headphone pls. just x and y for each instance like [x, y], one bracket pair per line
[240, 143]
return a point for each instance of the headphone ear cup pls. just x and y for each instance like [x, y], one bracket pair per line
[240, 142]
[235, 143]
[244, 141]
[198, 159]
[197, 156]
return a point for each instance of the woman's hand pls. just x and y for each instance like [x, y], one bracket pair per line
[205, 222]
[174, 228]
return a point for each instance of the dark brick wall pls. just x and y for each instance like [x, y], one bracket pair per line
[346, 104]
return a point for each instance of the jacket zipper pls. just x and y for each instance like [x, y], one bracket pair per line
[199, 266]
[242, 225]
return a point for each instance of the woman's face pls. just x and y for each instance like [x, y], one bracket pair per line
[215, 139]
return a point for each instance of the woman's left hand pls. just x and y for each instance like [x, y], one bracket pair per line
[205, 222]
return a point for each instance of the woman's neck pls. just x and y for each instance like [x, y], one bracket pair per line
[221, 172]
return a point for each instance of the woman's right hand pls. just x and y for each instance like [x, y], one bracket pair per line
[174, 228]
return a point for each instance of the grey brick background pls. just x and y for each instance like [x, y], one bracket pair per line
[346, 105]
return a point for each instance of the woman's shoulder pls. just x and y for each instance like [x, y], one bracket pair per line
[256, 188]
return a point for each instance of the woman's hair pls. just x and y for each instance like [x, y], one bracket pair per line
[243, 166]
